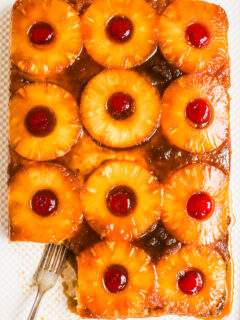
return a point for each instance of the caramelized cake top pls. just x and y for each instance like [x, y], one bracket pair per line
[128, 99]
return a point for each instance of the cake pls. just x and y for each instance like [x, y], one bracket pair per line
[120, 150]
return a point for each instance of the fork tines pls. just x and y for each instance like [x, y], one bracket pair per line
[53, 258]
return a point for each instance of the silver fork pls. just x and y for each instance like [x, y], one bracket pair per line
[50, 267]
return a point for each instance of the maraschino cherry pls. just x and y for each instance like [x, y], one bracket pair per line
[119, 29]
[121, 200]
[190, 282]
[41, 33]
[44, 202]
[199, 205]
[120, 105]
[197, 35]
[40, 121]
[115, 278]
[199, 112]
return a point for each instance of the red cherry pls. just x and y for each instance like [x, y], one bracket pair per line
[120, 203]
[41, 33]
[119, 29]
[121, 200]
[199, 205]
[120, 106]
[40, 121]
[191, 282]
[198, 111]
[115, 278]
[44, 202]
[197, 35]
[120, 102]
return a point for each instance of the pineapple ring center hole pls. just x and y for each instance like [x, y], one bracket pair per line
[198, 112]
[44, 202]
[119, 29]
[121, 201]
[40, 121]
[120, 106]
[190, 282]
[41, 33]
[199, 206]
[115, 278]
[197, 35]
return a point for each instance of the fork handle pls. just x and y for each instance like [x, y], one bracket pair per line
[36, 304]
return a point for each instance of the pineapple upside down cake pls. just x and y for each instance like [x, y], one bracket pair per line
[120, 150]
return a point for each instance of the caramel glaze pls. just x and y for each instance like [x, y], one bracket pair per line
[156, 153]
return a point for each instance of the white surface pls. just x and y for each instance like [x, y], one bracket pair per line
[18, 261]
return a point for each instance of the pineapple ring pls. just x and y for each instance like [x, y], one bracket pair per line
[112, 54]
[179, 188]
[137, 128]
[177, 127]
[65, 132]
[131, 301]
[148, 200]
[174, 45]
[87, 155]
[49, 58]
[206, 301]
[26, 225]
